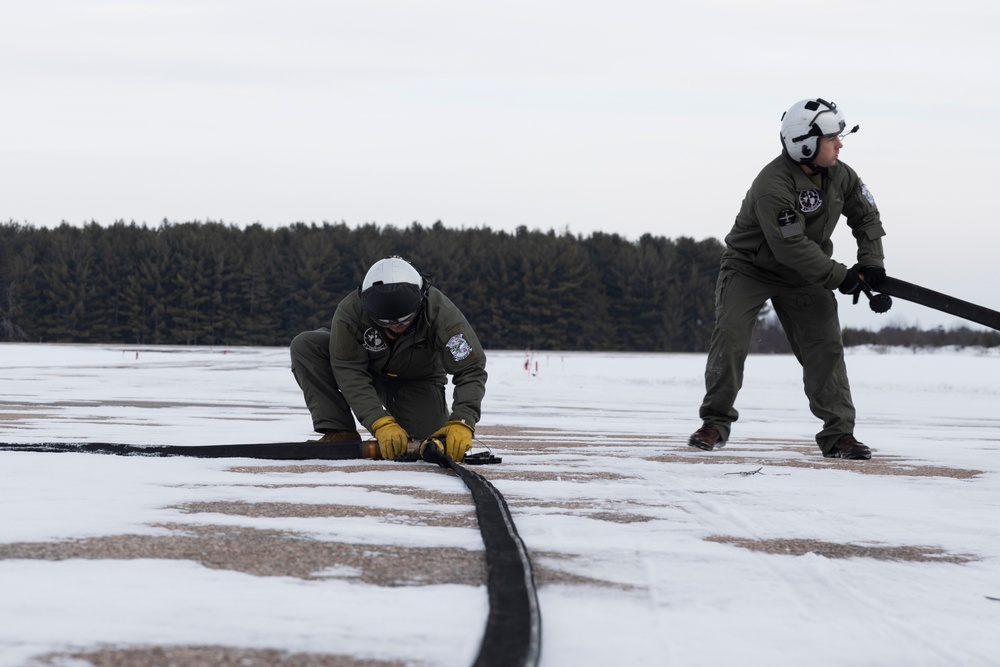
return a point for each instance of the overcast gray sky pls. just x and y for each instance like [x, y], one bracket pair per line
[628, 116]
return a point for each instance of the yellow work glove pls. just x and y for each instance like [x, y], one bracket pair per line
[392, 437]
[457, 439]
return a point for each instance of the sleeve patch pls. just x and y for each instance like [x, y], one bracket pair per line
[867, 194]
[788, 224]
[459, 347]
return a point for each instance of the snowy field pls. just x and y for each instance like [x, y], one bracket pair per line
[647, 552]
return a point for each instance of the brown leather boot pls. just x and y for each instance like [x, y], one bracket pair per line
[847, 447]
[338, 436]
[707, 438]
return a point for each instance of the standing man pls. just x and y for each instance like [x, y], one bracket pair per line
[779, 249]
[386, 358]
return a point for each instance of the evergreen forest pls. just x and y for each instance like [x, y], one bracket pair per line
[211, 283]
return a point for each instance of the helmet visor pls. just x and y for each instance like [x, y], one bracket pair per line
[399, 320]
[391, 304]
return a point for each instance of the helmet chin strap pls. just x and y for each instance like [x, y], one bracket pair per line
[813, 169]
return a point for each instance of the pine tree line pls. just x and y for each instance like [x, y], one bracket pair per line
[769, 337]
[216, 284]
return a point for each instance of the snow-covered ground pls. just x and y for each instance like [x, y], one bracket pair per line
[647, 552]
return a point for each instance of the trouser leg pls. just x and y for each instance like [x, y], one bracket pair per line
[809, 317]
[310, 352]
[738, 300]
[419, 406]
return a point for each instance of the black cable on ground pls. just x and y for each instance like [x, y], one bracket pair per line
[280, 451]
[513, 636]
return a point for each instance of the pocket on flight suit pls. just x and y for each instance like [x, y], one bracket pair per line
[721, 288]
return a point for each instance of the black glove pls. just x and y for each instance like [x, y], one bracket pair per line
[873, 275]
[851, 284]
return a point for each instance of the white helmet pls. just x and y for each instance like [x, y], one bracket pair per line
[392, 290]
[805, 123]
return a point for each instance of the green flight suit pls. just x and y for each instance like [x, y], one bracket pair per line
[780, 249]
[355, 367]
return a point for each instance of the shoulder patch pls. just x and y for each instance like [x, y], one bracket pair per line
[459, 347]
[810, 200]
[867, 194]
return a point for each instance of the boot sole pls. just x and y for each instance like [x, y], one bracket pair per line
[706, 447]
[838, 455]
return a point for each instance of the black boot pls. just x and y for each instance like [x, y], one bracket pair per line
[707, 438]
[338, 436]
[847, 447]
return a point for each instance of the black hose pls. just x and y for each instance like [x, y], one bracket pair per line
[513, 636]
